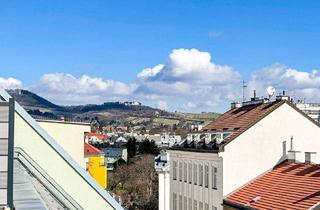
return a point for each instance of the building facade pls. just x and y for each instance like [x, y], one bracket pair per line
[243, 143]
[311, 109]
[196, 180]
[51, 176]
[95, 164]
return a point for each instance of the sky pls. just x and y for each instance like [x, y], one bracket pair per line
[175, 55]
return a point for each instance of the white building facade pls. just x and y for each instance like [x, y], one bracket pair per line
[196, 180]
[311, 109]
[249, 140]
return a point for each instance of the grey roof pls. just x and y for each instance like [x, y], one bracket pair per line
[29, 193]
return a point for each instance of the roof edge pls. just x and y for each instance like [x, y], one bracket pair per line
[37, 128]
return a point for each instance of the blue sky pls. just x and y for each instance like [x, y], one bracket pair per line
[115, 40]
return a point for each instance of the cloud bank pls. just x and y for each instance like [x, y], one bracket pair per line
[189, 80]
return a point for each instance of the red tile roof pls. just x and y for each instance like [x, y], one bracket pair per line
[287, 186]
[91, 150]
[238, 120]
[98, 135]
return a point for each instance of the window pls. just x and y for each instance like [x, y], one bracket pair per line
[185, 168]
[200, 175]
[190, 204]
[180, 202]
[180, 171]
[200, 206]
[214, 177]
[185, 205]
[206, 176]
[195, 205]
[174, 170]
[206, 206]
[190, 173]
[195, 175]
[174, 201]
[214, 208]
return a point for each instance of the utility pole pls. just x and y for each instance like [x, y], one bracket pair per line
[244, 86]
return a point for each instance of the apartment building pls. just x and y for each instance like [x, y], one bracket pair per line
[196, 181]
[242, 144]
[311, 109]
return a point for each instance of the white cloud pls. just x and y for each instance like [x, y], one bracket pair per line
[10, 83]
[189, 75]
[68, 89]
[299, 84]
[150, 72]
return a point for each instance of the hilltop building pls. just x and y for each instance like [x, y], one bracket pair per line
[242, 144]
[37, 172]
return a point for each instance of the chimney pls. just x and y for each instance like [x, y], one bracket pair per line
[310, 157]
[283, 97]
[292, 155]
[235, 105]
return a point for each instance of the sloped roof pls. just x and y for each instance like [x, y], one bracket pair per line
[238, 120]
[87, 179]
[98, 135]
[91, 150]
[287, 186]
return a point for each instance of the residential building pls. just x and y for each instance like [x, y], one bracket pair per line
[95, 164]
[196, 179]
[40, 174]
[289, 185]
[95, 138]
[246, 141]
[114, 156]
[169, 140]
[69, 135]
[311, 109]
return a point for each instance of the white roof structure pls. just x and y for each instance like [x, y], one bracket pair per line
[57, 167]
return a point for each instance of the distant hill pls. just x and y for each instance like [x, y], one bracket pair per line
[30, 100]
[40, 107]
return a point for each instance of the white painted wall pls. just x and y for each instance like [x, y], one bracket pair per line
[58, 168]
[164, 190]
[213, 197]
[69, 135]
[260, 148]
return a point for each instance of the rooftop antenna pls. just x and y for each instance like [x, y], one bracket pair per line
[271, 91]
[244, 86]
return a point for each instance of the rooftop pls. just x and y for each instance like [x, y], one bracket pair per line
[91, 150]
[237, 120]
[290, 185]
[98, 135]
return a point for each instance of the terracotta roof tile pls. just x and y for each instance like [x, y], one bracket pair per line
[287, 186]
[238, 120]
[91, 150]
[98, 135]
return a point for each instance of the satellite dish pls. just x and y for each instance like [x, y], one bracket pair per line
[271, 91]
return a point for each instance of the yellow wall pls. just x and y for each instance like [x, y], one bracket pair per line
[97, 169]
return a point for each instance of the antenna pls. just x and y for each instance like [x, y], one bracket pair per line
[244, 86]
[271, 91]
